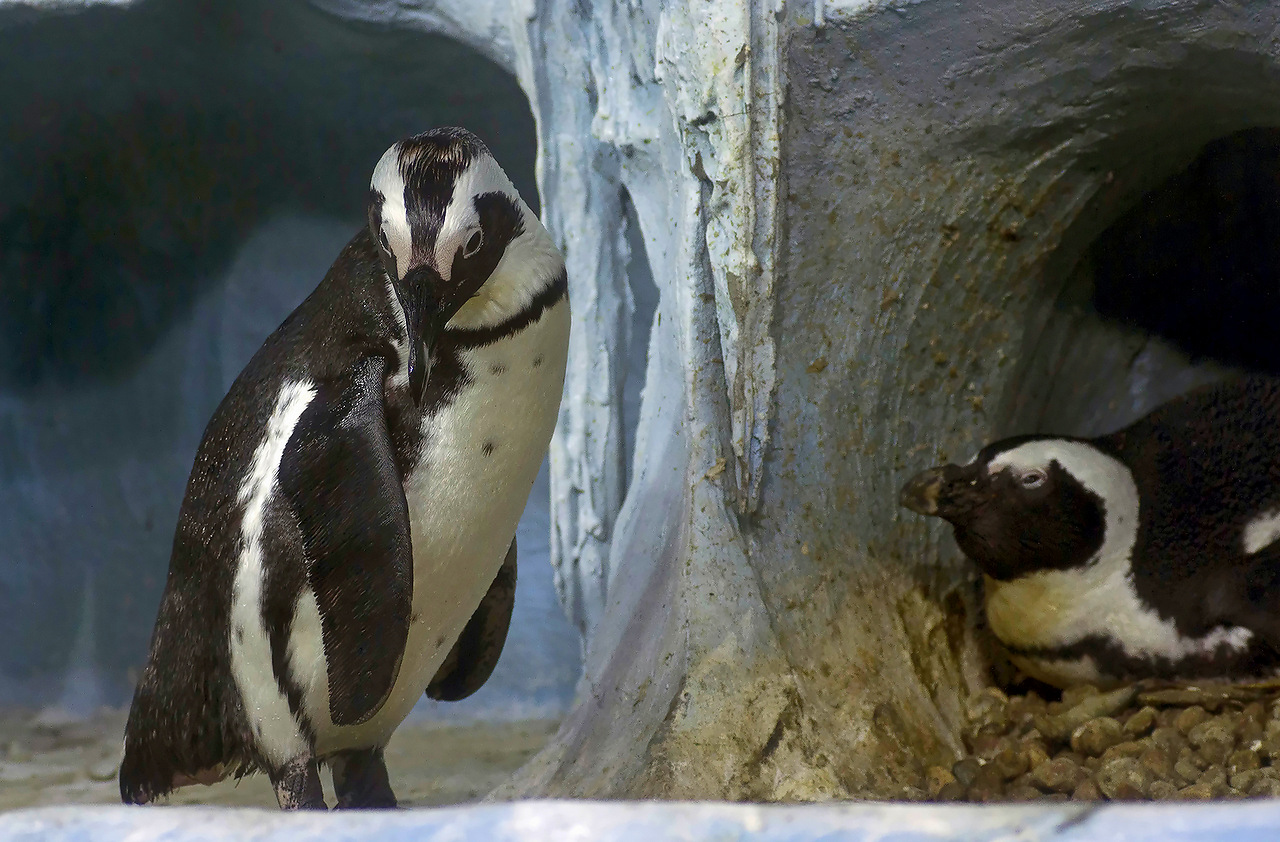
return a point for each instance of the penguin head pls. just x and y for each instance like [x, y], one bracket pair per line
[1031, 503]
[454, 237]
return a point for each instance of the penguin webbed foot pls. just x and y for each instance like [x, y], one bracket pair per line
[360, 780]
[297, 785]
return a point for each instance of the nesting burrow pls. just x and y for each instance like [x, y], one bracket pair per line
[1016, 229]
[1180, 289]
[1132, 743]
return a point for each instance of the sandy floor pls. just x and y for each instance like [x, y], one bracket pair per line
[44, 762]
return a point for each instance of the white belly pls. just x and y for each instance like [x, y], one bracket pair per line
[481, 456]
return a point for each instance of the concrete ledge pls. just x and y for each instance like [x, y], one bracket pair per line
[580, 821]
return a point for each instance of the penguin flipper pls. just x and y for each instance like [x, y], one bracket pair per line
[340, 479]
[471, 660]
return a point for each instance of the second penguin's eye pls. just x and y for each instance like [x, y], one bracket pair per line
[1033, 479]
[473, 245]
[382, 238]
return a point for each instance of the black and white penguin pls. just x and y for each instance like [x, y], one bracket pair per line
[347, 536]
[1150, 552]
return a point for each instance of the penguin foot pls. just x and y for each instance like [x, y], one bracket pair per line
[297, 785]
[360, 780]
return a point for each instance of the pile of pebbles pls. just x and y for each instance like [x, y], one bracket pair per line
[1141, 742]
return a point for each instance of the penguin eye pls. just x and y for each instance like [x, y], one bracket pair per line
[382, 238]
[473, 245]
[1033, 479]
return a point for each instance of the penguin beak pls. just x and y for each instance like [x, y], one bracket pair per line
[425, 318]
[945, 492]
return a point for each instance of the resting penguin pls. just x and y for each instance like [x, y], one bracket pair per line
[1150, 552]
[346, 538]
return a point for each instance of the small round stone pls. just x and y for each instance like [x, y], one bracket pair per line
[1244, 781]
[1242, 760]
[1252, 722]
[1270, 746]
[1186, 769]
[1213, 739]
[987, 706]
[953, 791]
[987, 745]
[1058, 775]
[1124, 779]
[1073, 696]
[1196, 792]
[966, 770]
[1130, 748]
[1023, 792]
[1035, 753]
[1141, 723]
[1010, 762]
[1157, 761]
[1163, 790]
[1169, 738]
[1265, 788]
[987, 780]
[1215, 777]
[1087, 791]
[936, 778]
[1096, 736]
[986, 792]
[1190, 718]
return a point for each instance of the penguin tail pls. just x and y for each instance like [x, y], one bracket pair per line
[178, 733]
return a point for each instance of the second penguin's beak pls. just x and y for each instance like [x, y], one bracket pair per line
[939, 492]
[425, 318]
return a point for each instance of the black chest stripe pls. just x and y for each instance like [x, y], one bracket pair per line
[552, 294]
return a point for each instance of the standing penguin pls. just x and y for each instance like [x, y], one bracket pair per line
[347, 535]
[1150, 552]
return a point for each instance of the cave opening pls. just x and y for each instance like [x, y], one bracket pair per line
[1181, 288]
[1197, 260]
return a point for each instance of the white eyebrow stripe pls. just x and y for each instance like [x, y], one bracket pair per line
[389, 181]
[1261, 532]
[482, 175]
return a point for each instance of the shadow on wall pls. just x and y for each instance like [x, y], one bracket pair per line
[1183, 287]
[177, 176]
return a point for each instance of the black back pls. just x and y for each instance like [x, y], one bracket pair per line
[1205, 465]
[186, 718]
